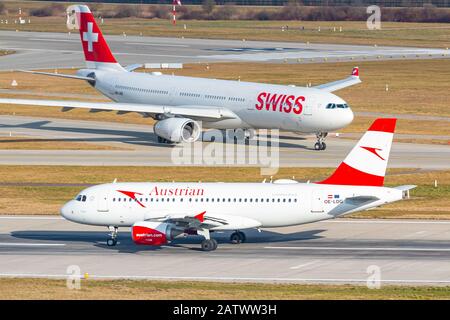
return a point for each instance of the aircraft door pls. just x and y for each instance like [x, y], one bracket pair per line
[102, 203]
[308, 107]
[317, 201]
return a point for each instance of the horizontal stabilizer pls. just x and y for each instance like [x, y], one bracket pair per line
[133, 67]
[359, 200]
[406, 187]
[341, 84]
[61, 75]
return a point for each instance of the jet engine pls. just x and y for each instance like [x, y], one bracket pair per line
[178, 130]
[153, 233]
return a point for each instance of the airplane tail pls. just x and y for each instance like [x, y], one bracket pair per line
[96, 51]
[366, 164]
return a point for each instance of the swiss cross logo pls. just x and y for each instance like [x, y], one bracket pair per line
[355, 72]
[90, 36]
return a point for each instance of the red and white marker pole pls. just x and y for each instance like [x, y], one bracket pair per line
[174, 11]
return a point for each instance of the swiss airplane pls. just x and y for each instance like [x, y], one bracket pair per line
[184, 105]
[159, 212]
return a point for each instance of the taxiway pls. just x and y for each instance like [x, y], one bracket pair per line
[336, 251]
[46, 50]
[294, 150]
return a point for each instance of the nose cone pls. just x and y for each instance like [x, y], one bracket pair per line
[67, 210]
[348, 117]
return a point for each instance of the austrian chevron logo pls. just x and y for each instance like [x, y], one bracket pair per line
[132, 195]
[374, 151]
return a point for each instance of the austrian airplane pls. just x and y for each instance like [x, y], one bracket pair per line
[159, 212]
[184, 105]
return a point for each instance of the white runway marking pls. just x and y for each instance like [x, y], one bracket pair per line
[157, 44]
[388, 221]
[361, 249]
[31, 218]
[24, 244]
[55, 40]
[212, 278]
[302, 265]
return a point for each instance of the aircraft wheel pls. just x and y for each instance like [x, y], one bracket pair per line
[209, 245]
[317, 146]
[324, 146]
[243, 236]
[111, 242]
[237, 237]
[215, 243]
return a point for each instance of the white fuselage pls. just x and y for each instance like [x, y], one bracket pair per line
[256, 105]
[263, 204]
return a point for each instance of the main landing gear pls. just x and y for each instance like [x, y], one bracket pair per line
[208, 244]
[162, 140]
[238, 237]
[112, 241]
[239, 135]
[320, 144]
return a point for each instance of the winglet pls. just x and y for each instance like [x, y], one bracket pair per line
[355, 72]
[201, 216]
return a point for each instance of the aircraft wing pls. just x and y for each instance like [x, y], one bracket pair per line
[209, 221]
[185, 110]
[340, 84]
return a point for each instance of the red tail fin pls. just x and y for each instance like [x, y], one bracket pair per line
[366, 164]
[95, 48]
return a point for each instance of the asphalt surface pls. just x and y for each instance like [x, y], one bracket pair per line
[37, 50]
[336, 251]
[294, 150]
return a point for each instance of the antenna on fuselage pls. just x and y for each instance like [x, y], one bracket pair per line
[115, 180]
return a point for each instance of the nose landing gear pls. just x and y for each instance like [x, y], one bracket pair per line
[112, 241]
[320, 144]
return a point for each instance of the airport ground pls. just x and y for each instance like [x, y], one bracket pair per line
[167, 290]
[435, 35]
[413, 252]
[409, 93]
[38, 190]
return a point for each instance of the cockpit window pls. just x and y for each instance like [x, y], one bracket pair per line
[81, 198]
[331, 106]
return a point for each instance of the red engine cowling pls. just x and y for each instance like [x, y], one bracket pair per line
[153, 233]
